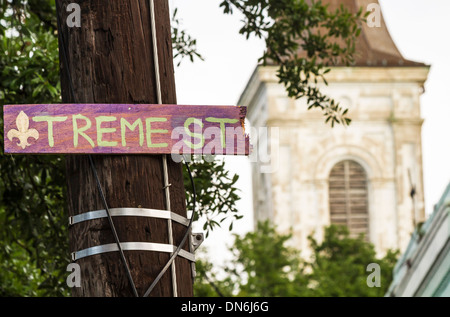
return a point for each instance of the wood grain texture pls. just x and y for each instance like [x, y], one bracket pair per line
[125, 128]
[111, 61]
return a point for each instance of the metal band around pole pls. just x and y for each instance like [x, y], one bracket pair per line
[133, 212]
[131, 246]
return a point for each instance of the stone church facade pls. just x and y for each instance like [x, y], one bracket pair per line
[368, 175]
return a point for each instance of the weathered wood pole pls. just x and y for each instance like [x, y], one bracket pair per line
[110, 59]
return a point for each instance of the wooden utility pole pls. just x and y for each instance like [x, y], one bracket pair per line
[110, 59]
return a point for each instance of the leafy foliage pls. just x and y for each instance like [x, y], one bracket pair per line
[216, 193]
[184, 46]
[339, 265]
[207, 284]
[327, 38]
[34, 246]
[263, 265]
[269, 267]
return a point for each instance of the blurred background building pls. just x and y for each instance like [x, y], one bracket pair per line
[367, 176]
[424, 268]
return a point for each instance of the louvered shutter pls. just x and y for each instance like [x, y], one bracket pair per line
[348, 197]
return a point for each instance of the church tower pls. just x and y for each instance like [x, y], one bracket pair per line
[367, 176]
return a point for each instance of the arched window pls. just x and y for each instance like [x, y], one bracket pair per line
[348, 197]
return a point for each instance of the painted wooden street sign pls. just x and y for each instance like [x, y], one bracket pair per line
[126, 129]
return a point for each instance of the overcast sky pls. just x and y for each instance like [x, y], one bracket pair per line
[420, 29]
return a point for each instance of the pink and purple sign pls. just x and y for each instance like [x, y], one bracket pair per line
[125, 129]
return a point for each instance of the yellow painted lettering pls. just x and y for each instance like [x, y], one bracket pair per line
[200, 136]
[124, 124]
[80, 131]
[222, 122]
[101, 131]
[50, 120]
[150, 131]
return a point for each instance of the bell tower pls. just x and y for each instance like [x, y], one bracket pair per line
[367, 176]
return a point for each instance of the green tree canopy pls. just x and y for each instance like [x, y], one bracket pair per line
[263, 265]
[339, 265]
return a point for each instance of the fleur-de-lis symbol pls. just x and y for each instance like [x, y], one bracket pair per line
[23, 132]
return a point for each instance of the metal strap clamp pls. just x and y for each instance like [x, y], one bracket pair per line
[196, 239]
[131, 246]
[137, 212]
